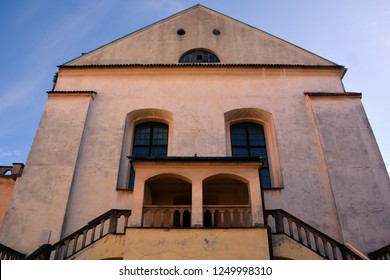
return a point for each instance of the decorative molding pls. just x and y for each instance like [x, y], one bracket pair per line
[219, 65]
[334, 94]
[72, 93]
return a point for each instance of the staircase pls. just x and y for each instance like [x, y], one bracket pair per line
[281, 222]
[7, 253]
[112, 222]
[115, 222]
[381, 254]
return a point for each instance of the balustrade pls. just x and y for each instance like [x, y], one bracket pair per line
[116, 221]
[111, 222]
[178, 216]
[227, 216]
[167, 216]
[7, 253]
[282, 222]
[381, 254]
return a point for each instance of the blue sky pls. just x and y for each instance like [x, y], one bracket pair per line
[41, 34]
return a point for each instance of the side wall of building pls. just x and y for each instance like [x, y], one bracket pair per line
[356, 171]
[37, 209]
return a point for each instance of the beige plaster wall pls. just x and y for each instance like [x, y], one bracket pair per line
[198, 98]
[181, 244]
[284, 247]
[198, 244]
[41, 195]
[237, 43]
[109, 247]
[357, 174]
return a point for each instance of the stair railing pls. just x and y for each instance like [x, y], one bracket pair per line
[282, 222]
[7, 253]
[110, 222]
[380, 254]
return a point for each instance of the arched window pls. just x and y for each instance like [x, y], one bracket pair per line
[134, 119]
[198, 56]
[248, 140]
[150, 139]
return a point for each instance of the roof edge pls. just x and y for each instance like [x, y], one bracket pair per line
[334, 94]
[91, 93]
[139, 30]
[194, 159]
[188, 10]
[340, 67]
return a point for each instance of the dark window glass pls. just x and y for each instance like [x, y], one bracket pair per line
[240, 152]
[132, 178]
[198, 56]
[150, 139]
[248, 139]
[265, 179]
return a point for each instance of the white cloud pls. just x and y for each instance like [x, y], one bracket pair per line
[170, 6]
[7, 152]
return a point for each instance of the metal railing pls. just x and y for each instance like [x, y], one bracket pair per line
[282, 222]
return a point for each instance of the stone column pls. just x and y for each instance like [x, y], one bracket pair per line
[256, 201]
[138, 200]
[197, 204]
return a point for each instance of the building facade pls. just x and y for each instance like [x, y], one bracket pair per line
[210, 139]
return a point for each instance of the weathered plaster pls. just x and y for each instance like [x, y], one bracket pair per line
[41, 195]
[7, 186]
[187, 96]
[238, 43]
[181, 244]
[356, 171]
[284, 247]
[324, 160]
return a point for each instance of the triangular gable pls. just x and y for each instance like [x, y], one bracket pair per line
[236, 43]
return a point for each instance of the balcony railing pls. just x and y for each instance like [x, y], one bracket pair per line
[173, 216]
[178, 216]
[227, 216]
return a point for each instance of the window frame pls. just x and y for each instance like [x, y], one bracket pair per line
[249, 146]
[264, 118]
[189, 56]
[150, 145]
[133, 118]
